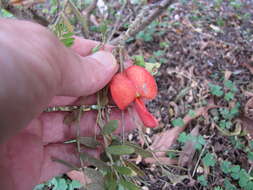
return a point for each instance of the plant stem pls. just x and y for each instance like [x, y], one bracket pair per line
[139, 23]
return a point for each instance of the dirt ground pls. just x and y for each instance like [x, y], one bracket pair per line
[208, 43]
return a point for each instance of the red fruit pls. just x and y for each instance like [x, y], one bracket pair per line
[143, 81]
[147, 118]
[133, 84]
[122, 90]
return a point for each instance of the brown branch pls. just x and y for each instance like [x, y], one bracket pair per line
[117, 23]
[139, 24]
[87, 12]
[27, 14]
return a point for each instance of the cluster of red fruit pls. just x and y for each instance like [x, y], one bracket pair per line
[134, 85]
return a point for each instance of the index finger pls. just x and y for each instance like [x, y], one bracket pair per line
[84, 47]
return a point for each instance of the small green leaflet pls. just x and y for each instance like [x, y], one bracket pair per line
[120, 150]
[179, 122]
[202, 180]
[124, 170]
[139, 60]
[135, 168]
[110, 127]
[216, 89]
[209, 160]
[139, 150]
[68, 41]
[90, 142]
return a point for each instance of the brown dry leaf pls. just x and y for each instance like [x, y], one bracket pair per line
[186, 155]
[79, 176]
[248, 126]
[87, 177]
[248, 109]
[227, 74]
[163, 141]
[247, 119]
[250, 67]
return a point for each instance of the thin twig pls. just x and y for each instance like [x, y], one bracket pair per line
[78, 137]
[80, 18]
[117, 23]
[200, 156]
[86, 13]
[139, 23]
[121, 57]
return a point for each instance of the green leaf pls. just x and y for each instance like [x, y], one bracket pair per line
[228, 185]
[39, 187]
[68, 41]
[183, 137]
[135, 168]
[192, 113]
[89, 142]
[171, 154]
[124, 170]
[209, 160]
[62, 185]
[243, 182]
[53, 182]
[235, 172]
[251, 144]
[216, 90]
[95, 162]
[110, 127]
[226, 167]
[139, 60]
[202, 180]
[229, 96]
[152, 67]
[159, 53]
[120, 150]
[110, 181]
[96, 49]
[250, 156]
[218, 188]
[249, 186]
[229, 84]
[179, 122]
[67, 35]
[74, 185]
[244, 178]
[129, 185]
[139, 150]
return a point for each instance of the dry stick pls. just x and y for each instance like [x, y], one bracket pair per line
[200, 156]
[80, 18]
[139, 24]
[78, 138]
[28, 14]
[117, 23]
[57, 20]
[87, 13]
[122, 112]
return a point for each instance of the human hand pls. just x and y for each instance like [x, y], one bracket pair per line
[25, 159]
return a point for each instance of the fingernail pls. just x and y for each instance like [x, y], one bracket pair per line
[105, 58]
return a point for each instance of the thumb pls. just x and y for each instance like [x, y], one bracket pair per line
[91, 75]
